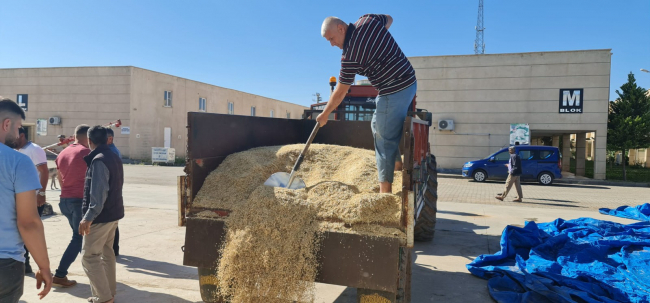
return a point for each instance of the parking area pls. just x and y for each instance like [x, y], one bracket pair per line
[470, 222]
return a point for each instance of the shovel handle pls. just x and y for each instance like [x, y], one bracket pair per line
[296, 167]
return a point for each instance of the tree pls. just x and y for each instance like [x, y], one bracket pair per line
[628, 121]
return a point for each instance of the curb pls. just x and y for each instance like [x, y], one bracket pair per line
[569, 181]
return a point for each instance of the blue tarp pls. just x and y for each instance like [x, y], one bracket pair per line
[640, 212]
[581, 260]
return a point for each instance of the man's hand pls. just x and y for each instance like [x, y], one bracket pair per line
[40, 200]
[44, 276]
[322, 119]
[84, 227]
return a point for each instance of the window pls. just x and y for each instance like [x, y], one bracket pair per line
[502, 156]
[202, 104]
[22, 101]
[168, 98]
[545, 154]
[288, 115]
[271, 113]
[526, 155]
[253, 111]
[231, 108]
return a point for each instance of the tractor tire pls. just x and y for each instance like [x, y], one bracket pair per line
[425, 224]
[209, 285]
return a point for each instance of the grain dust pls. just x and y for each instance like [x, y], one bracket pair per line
[270, 250]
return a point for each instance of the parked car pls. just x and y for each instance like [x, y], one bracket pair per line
[540, 163]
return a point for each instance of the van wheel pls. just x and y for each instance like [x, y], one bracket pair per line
[480, 175]
[545, 178]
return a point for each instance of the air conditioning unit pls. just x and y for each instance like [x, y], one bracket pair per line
[445, 124]
[55, 120]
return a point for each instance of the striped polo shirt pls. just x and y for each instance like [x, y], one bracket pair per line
[370, 51]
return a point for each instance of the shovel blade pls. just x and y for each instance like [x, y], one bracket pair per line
[281, 179]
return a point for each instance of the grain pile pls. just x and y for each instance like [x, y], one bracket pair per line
[272, 233]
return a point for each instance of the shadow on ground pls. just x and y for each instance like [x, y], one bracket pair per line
[157, 268]
[447, 280]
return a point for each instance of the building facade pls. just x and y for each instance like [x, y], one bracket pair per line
[152, 106]
[556, 93]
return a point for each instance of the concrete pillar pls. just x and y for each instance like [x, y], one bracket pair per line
[566, 152]
[556, 141]
[593, 147]
[600, 155]
[633, 157]
[581, 144]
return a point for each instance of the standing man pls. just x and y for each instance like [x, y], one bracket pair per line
[514, 175]
[20, 224]
[72, 173]
[116, 242]
[102, 207]
[38, 157]
[370, 50]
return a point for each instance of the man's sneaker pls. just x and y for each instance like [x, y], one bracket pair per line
[517, 200]
[63, 282]
[500, 198]
[28, 269]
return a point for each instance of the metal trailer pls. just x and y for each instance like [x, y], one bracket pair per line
[384, 269]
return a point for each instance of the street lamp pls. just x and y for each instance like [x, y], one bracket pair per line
[645, 70]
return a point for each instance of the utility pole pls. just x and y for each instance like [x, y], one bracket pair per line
[479, 45]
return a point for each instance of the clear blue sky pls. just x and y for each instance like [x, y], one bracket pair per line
[274, 48]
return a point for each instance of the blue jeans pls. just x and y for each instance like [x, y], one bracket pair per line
[12, 279]
[387, 124]
[71, 209]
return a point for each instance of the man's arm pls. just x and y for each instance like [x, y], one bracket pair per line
[98, 194]
[44, 174]
[59, 177]
[337, 97]
[31, 230]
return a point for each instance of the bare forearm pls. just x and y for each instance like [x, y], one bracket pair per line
[34, 237]
[58, 177]
[336, 98]
[44, 175]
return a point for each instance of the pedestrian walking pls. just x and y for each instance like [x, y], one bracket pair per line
[370, 50]
[38, 157]
[20, 224]
[72, 173]
[514, 176]
[102, 207]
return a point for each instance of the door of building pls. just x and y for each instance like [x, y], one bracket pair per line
[168, 137]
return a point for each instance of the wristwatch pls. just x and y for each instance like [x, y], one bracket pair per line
[41, 193]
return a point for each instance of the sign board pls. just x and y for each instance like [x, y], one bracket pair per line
[126, 130]
[163, 154]
[22, 101]
[571, 100]
[41, 127]
[519, 133]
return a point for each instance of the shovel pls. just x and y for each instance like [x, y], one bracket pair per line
[290, 181]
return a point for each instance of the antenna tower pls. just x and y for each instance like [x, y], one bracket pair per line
[479, 45]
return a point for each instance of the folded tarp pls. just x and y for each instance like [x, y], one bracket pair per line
[581, 260]
[640, 212]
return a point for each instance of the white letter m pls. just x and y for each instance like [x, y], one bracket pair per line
[572, 100]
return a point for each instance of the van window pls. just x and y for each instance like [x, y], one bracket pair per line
[502, 156]
[545, 154]
[526, 155]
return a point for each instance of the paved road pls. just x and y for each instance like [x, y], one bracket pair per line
[567, 196]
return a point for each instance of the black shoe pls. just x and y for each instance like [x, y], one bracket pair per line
[28, 269]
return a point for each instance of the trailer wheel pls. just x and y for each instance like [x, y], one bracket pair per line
[427, 200]
[209, 285]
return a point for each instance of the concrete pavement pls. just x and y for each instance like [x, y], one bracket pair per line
[150, 268]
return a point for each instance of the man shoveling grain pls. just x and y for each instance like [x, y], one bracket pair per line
[370, 50]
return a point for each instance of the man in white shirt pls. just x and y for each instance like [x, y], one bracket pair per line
[38, 157]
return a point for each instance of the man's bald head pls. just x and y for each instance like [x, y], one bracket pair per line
[333, 29]
[11, 117]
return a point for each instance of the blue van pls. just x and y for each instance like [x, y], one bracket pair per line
[541, 163]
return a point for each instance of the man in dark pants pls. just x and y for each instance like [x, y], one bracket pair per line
[111, 135]
[20, 224]
[72, 172]
[514, 175]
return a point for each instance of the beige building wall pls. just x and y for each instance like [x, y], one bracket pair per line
[99, 95]
[484, 94]
[79, 95]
